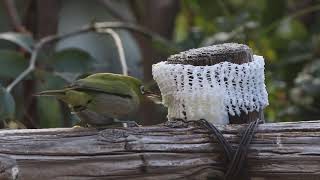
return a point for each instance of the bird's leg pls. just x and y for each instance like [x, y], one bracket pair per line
[116, 124]
[238, 160]
[127, 123]
[80, 124]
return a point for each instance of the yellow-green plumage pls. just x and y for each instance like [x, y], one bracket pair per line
[102, 97]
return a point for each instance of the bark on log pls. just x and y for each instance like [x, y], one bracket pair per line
[278, 151]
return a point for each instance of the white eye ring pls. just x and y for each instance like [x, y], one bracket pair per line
[142, 89]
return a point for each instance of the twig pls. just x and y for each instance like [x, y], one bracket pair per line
[136, 28]
[294, 15]
[14, 16]
[120, 48]
[37, 49]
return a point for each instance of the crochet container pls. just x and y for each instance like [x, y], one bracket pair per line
[212, 83]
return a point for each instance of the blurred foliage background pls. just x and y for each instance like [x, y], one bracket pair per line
[285, 32]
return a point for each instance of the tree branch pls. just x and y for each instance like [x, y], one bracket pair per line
[118, 43]
[136, 28]
[38, 48]
[95, 27]
[299, 13]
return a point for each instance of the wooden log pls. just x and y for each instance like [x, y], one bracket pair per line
[278, 151]
[227, 52]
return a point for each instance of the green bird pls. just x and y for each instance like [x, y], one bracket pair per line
[103, 99]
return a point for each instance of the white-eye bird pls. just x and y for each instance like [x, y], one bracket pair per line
[103, 98]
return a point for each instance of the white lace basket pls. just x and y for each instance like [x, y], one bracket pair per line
[211, 92]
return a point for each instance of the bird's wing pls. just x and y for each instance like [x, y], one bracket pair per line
[105, 83]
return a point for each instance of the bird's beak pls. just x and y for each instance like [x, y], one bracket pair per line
[156, 98]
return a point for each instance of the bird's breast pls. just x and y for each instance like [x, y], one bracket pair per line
[94, 118]
[113, 105]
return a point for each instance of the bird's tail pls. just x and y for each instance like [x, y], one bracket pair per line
[51, 93]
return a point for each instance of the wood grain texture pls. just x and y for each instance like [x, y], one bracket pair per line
[278, 151]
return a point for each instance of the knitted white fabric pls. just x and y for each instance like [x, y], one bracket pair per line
[211, 92]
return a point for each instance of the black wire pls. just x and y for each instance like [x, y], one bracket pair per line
[227, 148]
[235, 159]
[238, 161]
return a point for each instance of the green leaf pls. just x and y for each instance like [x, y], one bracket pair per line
[23, 40]
[12, 63]
[49, 111]
[292, 29]
[47, 80]
[70, 63]
[7, 105]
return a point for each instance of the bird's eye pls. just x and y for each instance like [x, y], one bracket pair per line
[142, 89]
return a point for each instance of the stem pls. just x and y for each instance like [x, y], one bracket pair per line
[136, 28]
[96, 27]
[37, 49]
[120, 48]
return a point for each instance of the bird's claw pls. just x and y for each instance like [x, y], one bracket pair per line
[127, 124]
[76, 126]
[80, 124]
[177, 123]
